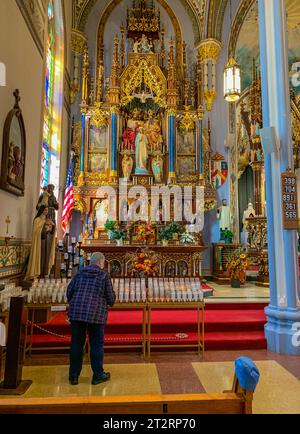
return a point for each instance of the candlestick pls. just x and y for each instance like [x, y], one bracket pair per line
[67, 240]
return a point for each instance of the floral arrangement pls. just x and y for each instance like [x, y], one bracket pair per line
[238, 266]
[145, 233]
[187, 238]
[145, 263]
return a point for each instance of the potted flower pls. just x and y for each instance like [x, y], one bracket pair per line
[187, 238]
[110, 226]
[165, 234]
[237, 268]
[119, 235]
[176, 230]
[227, 236]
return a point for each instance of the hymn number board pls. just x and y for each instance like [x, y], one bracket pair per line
[289, 200]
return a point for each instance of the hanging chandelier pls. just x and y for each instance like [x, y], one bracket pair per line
[232, 75]
[232, 81]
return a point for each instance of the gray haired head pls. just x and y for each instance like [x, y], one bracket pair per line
[98, 259]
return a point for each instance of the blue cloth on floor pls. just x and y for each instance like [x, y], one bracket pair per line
[247, 373]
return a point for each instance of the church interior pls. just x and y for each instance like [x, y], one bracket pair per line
[165, 135]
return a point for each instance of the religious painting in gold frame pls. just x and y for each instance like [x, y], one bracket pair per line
[14, 151]
[97, 155]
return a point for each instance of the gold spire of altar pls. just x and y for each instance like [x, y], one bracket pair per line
[92, 92]
[115, 65]
[199, 82]
[172, 82]
[185, 76]
[163, 48]
[114, 88]
[193, 91]
[122, 47]
[85, 76]
[100, 78]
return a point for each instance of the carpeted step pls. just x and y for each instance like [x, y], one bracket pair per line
[252, 340]
[212, 305]
[128, 322]
[213, 341]
[239, 327]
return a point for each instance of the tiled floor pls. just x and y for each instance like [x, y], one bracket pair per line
[278, 390]
[127, 379]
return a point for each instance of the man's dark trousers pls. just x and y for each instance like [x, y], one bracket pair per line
[96, 338]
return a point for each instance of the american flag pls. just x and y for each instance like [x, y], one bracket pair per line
[69, 203]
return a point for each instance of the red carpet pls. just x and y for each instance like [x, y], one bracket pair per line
[227, 327]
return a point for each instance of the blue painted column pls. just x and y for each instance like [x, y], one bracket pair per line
[81, 180]
[86, 225]
[171, 145]
[284, 310]
[114, 120]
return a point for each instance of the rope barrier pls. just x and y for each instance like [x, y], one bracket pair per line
[179, 336]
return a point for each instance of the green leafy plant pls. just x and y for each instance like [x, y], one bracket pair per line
[175, 228]
[227, 235]
[165, 233]
[110, 225]
[119, 234]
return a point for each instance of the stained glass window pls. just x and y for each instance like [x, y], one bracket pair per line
[51, 145]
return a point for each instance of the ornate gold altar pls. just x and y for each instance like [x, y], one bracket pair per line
[173, 260]
[142, 125]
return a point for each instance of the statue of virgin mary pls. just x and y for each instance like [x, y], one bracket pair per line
[141, 146]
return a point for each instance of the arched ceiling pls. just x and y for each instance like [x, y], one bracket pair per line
[242, 17]
[194, 8]
[215, 12]
[207, 16]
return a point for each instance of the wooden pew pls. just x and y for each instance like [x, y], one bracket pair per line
[236, 401]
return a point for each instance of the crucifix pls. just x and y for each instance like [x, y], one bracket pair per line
[8, 222]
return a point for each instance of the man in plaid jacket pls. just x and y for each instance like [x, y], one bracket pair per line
[89, 294]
